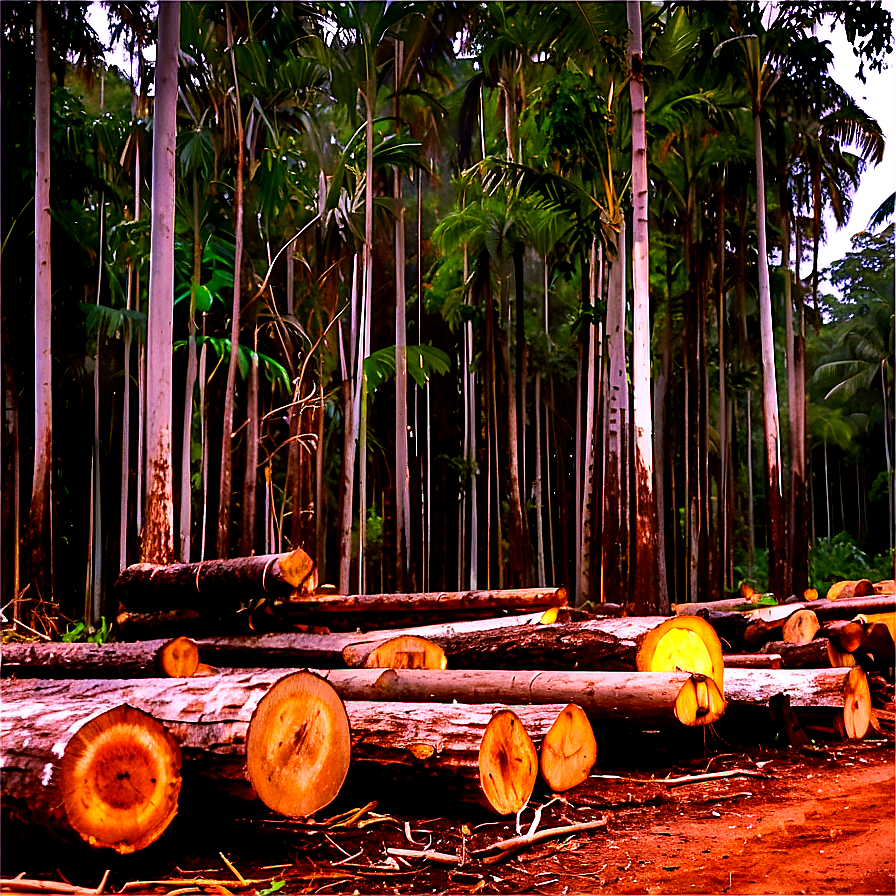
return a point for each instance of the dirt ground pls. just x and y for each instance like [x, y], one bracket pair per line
[817, 820]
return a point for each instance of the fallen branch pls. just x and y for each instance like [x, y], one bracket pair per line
[505, 847]
[685, 779]
[27, 885]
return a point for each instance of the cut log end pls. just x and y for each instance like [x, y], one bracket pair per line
[856, 588]
[856, 704]
[298, 746]
[686, 644]
[508, 763]
[569, 750]
[699, 702]
[406, 652]
[120, 780]
[800, 627]
[179, 658]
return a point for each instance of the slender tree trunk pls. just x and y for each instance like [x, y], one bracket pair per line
[615, 529]
[250, 474]
[204, 439]
[724, 547]
[774, 493]
[402, 471]
[751, 522]
[648, 599]
[40, 528]
[186, 493]
[158, 533]
[586, 544]
[349, 442]
[93, 610]
[226, 479]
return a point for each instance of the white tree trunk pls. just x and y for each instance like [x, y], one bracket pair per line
[158, 536]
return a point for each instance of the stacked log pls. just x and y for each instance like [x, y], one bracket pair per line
[95, 770]
[174, 658]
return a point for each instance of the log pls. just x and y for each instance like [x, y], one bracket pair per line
[406, 652]
[568, 751]
[295, 649]
[476, 754]
[762, 631]
[213, 587]
[86, 771]
[800, 627]
[298, 747]
[855, 588]
[753, 661]
[847, 635]
[177, 658]
[730, 627]
[207, 716]
[640, 699]
[441, 602]
[819, 653]
[152, 626]
[887, 586]
[845, 690]
[603, 644]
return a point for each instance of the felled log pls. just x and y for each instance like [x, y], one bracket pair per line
[844, 690]
[819, 653]
[679, 642]
[87, 770]
[887, 586]
[213, 587]
[568, 750]
[800, 627]
[449, 603]
[405, 652]
[854, 588]
[152, 626]
[176, 658]
[641, 699]
[753, 661]
[298, 747]
[294, 649]
[207, 716]
[847, 634]
[761, 631]
[730, 627]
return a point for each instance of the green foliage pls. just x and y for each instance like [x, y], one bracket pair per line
[81, 632]
[273, 888]
[423, 362]
[842, 559]
[273, 370]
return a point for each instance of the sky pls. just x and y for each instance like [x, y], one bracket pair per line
[877, 97]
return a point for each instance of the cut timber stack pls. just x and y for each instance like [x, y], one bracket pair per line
[639, 699]
[175, 658]
[109, 775]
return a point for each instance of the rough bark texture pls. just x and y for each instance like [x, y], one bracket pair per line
[639, 699]
[753, 661]
[213, 586]
[299, 649]
[207, 716]
[843, 689]
[817, 654]
[177, 658]
[447, 602]
[151, 626]
[51, 775]
[442, 746]
[158, 530]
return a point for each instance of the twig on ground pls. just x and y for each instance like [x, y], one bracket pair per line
[232, 868]
[428, 855]
[27, 885]
[505, 847]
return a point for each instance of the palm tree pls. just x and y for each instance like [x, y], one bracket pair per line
[158, 534]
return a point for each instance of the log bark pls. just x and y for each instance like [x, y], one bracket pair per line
[640, 699]
[152, 626]
[442, 602]
[850, 589]
[476, 754]
[819, 653]
[216, 587]
[207, 716]
[295, 649]
[753, 661]
[175, 658]
[845, 690]
[846, 634]
[91, 770]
